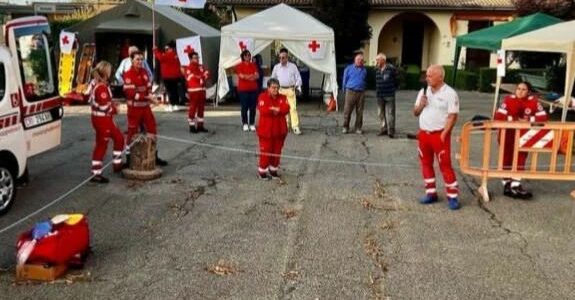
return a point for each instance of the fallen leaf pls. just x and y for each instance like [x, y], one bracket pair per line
[222, 268]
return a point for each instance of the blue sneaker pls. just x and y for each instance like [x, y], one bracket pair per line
[428, 199]
[453, 203]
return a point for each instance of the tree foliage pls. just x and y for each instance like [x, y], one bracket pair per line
[348, 18]
[564, 9]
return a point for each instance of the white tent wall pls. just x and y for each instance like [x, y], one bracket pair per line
[555, 38]
[287, 25]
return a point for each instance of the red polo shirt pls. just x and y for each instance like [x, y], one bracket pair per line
[247, 68]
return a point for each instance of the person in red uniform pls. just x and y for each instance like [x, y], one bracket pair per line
[248, 76]
[170, 72]
[272, 129]
[103, 111]
[437, 107]
[137, 89]
[196, 77]
[518, 107]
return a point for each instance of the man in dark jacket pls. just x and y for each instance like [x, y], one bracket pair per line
[386, 83]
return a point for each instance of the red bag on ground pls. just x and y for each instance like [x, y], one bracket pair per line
[66, 242]
[332, 105]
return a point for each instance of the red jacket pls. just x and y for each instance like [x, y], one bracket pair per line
[272, 124]
[137, 86]
[196, 77]
[515, 109]
[169, 64]
[101, 101]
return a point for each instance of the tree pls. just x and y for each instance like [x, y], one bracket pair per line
[564, 9]
[348, 18]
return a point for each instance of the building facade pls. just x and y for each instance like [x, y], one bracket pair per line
[412, 32]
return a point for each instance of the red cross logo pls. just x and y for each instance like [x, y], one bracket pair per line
[189, 49]
[499, 61]
[183, 1]
[242, 45]
[314, 45]
[65, 40]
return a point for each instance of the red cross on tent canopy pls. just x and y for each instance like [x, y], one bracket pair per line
[314, 45]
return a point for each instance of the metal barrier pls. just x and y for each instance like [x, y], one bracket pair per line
[536, 139]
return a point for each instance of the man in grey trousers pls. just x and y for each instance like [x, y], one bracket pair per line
[386, 83]
[354, 86]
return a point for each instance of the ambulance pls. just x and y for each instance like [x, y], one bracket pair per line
[30, 107]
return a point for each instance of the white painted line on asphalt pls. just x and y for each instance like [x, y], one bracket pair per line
[240, 150]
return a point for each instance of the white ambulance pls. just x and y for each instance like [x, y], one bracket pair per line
[30, 108]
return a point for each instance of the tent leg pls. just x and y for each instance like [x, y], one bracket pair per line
[496, 98]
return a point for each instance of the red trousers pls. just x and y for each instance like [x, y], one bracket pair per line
[140, 116]
[270, 146]
[508, 152]
[105, 129]
[197, 106]
[430, 146]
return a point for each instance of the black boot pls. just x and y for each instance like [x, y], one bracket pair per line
[516, 192]
[201, 128]
[99, 179]
[160, 162]
[126, 165]
[193, 129]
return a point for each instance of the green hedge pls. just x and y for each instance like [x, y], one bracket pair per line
[466, 80]
[488, 76]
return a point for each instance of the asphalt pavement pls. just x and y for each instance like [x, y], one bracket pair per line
[343, 223]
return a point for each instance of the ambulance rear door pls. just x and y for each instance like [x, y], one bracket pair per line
[29, 42]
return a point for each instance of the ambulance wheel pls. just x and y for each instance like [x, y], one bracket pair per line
[7, 188]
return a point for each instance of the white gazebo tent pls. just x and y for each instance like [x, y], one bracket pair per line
[296, 30]
[555, 38]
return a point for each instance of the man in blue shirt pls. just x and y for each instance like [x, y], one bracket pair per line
[354, 86]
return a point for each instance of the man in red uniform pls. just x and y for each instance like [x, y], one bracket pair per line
[103, 110]
[196, 77]
[437, 107]
[137, 89]
[272, 129]
[518, 107]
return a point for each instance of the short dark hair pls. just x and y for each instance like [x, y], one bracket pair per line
[283, 50]
[273, 81]
[192, 54]
[244, 53]
[527, 84]
[171, 44]
[137, 52]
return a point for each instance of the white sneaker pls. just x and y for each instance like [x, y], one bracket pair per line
[245, 127]
[252, 127]
[175, 108]
[168, 108]
[296, 131]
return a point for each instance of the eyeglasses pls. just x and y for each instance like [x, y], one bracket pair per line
[283, 57]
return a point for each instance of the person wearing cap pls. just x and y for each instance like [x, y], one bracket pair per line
[289, 79]
[437, 107]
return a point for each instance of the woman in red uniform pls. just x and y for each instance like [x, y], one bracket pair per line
[248, 76]
[170, 72]
[272, 129]
[103, 110]
[518, 107]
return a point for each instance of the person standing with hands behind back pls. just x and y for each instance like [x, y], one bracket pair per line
[437, 107]
[272, 129]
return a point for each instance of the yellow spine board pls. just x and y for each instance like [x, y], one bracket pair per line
[66, 72]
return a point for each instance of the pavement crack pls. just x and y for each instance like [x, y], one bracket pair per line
[499, 224]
